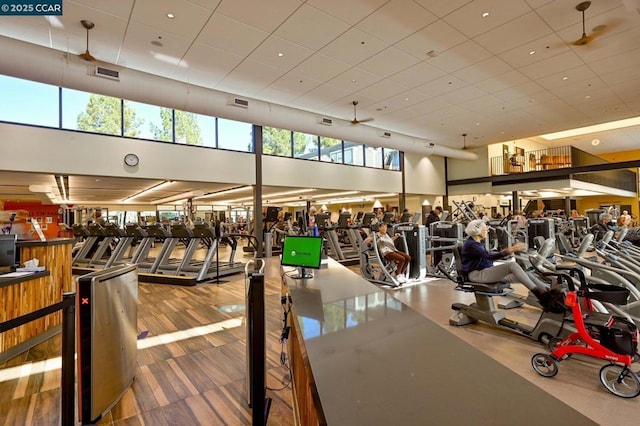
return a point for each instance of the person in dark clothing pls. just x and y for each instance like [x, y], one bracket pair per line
[604, 224]
[477, 264]
[434, 216]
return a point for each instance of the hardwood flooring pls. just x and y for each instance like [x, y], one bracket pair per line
[191, 362]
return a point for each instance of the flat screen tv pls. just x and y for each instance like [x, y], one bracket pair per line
[7, 251]
[302, 252]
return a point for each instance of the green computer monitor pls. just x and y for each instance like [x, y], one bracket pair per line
[302, 252]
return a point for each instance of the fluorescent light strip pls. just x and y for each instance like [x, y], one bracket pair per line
[64, 190]
[179, 198]
[224, 192]
[268, 197]
[335, 194]
[150, 189]
[592, 129]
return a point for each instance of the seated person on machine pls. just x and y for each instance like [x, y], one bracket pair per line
[388, 250]
[604, 224]
[477, 264]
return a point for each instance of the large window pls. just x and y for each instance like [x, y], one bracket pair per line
[330, 150]
[373, 157]
[305, 146]
[353, 153]
[391, 159]
[207, 129]
[235, 135]
[95, 113]
[27, 102]
[148, 121]
[276, 141]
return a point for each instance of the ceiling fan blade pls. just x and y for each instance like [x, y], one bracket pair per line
[87, 56]
[583, 40]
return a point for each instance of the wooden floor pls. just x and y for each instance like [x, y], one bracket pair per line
[197, 380]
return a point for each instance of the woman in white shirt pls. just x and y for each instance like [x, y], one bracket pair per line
[388, 250]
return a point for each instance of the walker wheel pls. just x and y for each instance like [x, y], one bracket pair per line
[544, 365]
[620, 381]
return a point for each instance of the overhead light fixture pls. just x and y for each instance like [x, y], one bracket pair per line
[612, 125]
[179, 197]
[225, 192]
[335, 194]
[377, 204]
[150, 189]
[62, 182]
[595, 142]
[485, 14]
[170, 15]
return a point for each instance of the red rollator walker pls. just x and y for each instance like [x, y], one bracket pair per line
[599, 335]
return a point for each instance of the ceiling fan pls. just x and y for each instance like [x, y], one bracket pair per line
[464, 141]
[355, 117]
[581, 7]
[86, 55]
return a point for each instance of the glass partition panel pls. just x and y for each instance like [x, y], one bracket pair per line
[94, 113]
[235, 135]
[305, 146]
[28, 102]
[353, 153]
[148, 121]
[391, 159]
[373, 157]
[330, 150]
[276, 141]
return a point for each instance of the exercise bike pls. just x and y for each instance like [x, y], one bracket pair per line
[550, 324]
[599, 335]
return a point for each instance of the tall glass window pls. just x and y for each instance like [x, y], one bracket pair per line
[276, 141]
[28, 102]
[330, 150]
[235, 135]
[373, 157]
[353, 153]
[206, 128]
[391, 159]
[146, 121]
[94, 113]
[305, 146]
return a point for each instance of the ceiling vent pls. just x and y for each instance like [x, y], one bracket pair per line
[429, 145]
[106, 73]
[384, 134]
[326, 121]
[239, 102]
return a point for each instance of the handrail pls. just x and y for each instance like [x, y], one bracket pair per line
[68, 307]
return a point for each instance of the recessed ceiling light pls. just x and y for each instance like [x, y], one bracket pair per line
[595, 142]
[587, 97]
[406, 99]
[353, 81]
[533, 52]
[565, 78]
[170, 15]
[485, 14]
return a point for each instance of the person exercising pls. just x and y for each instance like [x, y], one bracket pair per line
[388, 250]
[477, 264]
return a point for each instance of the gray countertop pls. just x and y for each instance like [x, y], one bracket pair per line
[377, 362]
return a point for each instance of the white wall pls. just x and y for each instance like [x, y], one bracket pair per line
[424, 174]
[35, 149]
[465, 169]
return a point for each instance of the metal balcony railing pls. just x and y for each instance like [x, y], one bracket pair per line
[531, 161]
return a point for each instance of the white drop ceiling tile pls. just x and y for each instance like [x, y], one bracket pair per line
[292, 54]
[469, 20]
[207, 65]
[544, 48]
[522, 30]
[460, 56]
[437, 36]
[320, 67]
[396, 20]
[304, 28]
[343, 108]
[120, 8]
[188, 21]
[442, 8]
[579, 77]
[207, 4]
[260, 14]
[557, 64]
[250, 77]
[579, 99]
[354, 79]
[442, 85]
[483, 70]
[464, 94]
[275, 95]
[627, 90]
[418, 74]
[534, 4]
[521, 90]
[138, 39]
[104, 41]
[614, 63]
[293, 84]
[322, 96]
[483, 103]
[351, 11]
[32, 28]
[502, 81]
[382, 90]
[388, 62]
[407, 99]
[231, 35]
[354, 46]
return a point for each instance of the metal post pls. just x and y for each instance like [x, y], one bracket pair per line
[68, 357]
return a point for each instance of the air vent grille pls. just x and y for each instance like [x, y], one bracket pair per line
[107, 73]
